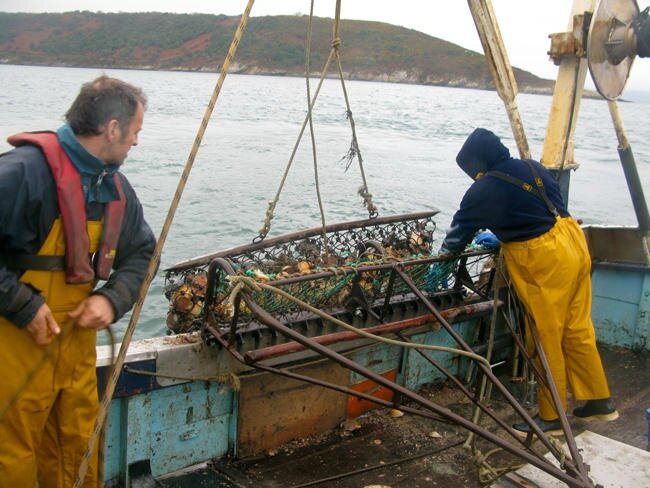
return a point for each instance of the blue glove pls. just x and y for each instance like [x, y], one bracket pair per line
[487, 239]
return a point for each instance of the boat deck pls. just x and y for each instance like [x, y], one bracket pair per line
[378, 449]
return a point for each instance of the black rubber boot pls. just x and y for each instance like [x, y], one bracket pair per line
[603, 409]
[549, 427]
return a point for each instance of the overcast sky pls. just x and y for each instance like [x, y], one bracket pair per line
[525, 25]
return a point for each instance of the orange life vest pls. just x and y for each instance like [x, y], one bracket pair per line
[72, 206]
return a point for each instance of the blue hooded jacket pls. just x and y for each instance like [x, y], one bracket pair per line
[507, 210]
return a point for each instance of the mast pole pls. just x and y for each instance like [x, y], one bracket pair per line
[557, 152]
[499, 64]
[630, 170]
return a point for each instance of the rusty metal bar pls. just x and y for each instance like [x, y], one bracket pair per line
[579, 470]
[264, 317]
[389, 293]
[392, 327]
[570, 440]
[323, 383]
[541, 463]
[458, 383]
[381, 465]
[523, 350]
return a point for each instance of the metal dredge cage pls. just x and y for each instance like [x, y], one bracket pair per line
[346, 270]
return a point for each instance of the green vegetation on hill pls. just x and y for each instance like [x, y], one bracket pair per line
[271, 45]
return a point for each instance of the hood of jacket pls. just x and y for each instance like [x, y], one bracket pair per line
[481, 150]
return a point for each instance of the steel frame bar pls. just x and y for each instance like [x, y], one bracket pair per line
[579, 469]
[465, 311]
[539, 462]
[573, 475]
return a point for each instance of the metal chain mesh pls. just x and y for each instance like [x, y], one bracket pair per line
[356, 273]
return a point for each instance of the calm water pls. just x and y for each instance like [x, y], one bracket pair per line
[409, 136]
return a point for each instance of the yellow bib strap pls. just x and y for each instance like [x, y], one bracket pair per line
[60, 296]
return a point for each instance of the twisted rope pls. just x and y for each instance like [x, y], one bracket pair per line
[354, 148]
[246, 283]
[311, 129]
[228, 379]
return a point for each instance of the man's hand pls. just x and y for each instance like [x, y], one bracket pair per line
[95, 312]
[487, 240]
[43, 328]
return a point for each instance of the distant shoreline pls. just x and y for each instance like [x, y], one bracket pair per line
[631, 96]
[315, 75]
[273, 45]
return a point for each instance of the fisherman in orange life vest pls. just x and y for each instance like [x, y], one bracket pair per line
[68, 218]
[546, 255]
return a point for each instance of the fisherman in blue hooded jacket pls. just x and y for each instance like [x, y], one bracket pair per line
[546, 255]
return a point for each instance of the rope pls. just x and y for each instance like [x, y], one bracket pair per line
[487, 472]
[228, 379]
[354, 145]
[266, 227]
[563, 455]
[47, 352]
[363, 191]
[311, 128]
[488, 356]
[102, 435]
[251, 284]
[155, 258]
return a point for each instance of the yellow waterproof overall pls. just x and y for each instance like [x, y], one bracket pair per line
[551, 274]
[44, 435]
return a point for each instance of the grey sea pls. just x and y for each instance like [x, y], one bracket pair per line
[408, 136]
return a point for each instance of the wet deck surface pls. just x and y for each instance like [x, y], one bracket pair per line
[414, 452]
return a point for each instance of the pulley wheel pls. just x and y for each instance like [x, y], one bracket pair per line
[610, 46]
